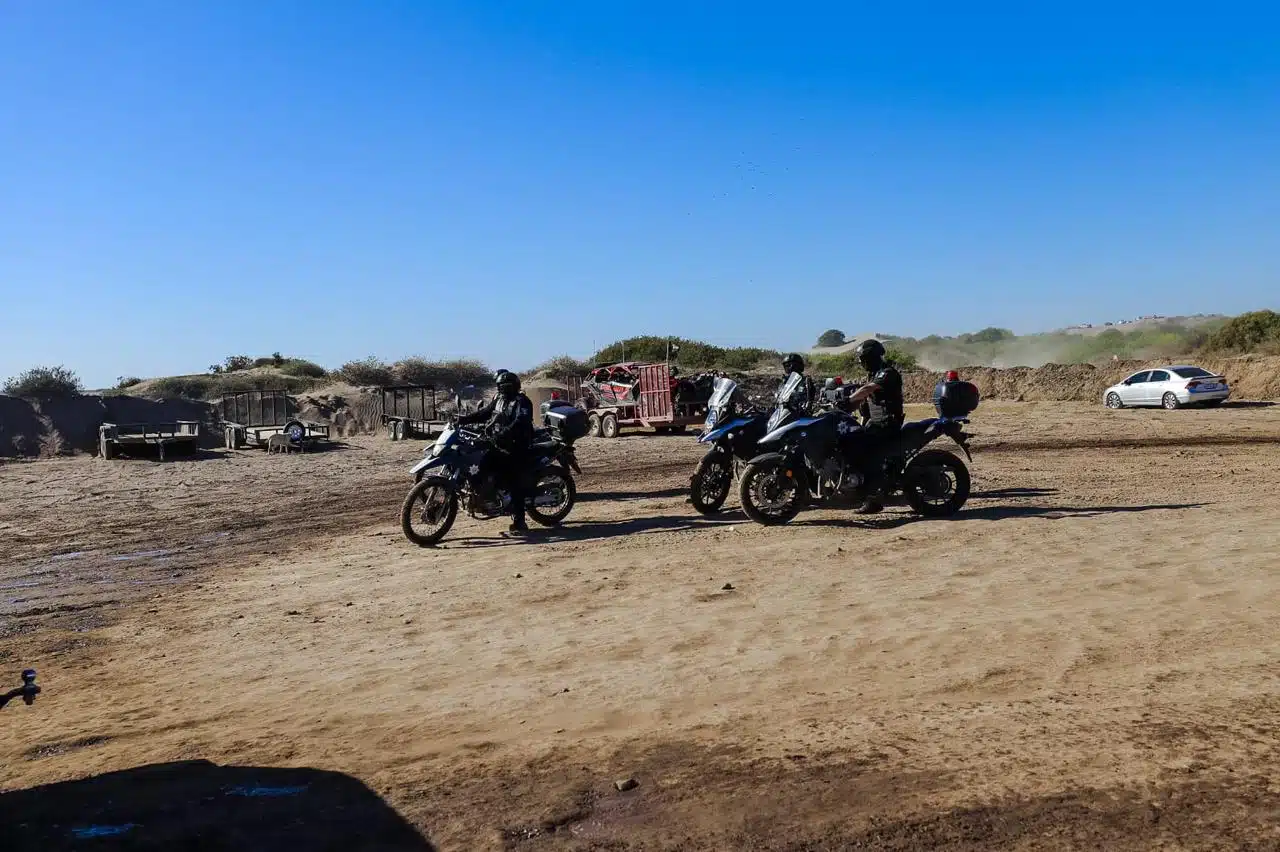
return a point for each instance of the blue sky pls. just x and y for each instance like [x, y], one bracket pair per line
[512, 180]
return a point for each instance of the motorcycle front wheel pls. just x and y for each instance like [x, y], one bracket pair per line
[429, 511]
[936, 484]
[711, 482]
[772, 490]
[553, 497]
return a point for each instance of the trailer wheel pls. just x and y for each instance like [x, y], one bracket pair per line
[609, 426]
[295, 430]
[593, 425]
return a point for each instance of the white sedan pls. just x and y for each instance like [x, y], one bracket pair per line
[1168, 387]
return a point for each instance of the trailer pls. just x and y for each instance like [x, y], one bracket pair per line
[410, 411]
[250, 418]
[655, 406]
[114, 438]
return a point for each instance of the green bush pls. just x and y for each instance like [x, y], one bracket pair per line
[127, 382]
[44, 383]
[302, 367]
[846, 363]
[1252, 332]
[690, 354]
[442, 374]
[235, 363]
[366, 371]
[183, 387]
[560, 367]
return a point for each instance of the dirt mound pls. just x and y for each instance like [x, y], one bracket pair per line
[62, 426]
[349, 410]
[1251, 377]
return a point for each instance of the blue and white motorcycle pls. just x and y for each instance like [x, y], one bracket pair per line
[450, 476]
[733, 428]
[801, 464]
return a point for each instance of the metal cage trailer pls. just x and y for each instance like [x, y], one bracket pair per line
[250, 418]
[655, 407]
[411, 411]
[114, 438]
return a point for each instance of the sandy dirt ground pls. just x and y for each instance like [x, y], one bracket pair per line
[243, 652]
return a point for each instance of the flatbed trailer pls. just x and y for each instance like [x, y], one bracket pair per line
[114, 438]
[250, 418]
[410, 411]
[655, 407]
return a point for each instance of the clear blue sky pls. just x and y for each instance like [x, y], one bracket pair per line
[180, 181]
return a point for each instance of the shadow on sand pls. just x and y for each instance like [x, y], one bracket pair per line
[200, 805]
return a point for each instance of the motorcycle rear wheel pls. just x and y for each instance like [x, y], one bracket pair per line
[936, 484]
[569, 495]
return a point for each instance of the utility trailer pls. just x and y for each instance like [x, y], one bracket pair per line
[114, 438]
[410, 411]
[250, 418]
[655, 406]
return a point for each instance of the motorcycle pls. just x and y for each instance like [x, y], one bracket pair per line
[801, 463]
[449, 477]
[733, 427]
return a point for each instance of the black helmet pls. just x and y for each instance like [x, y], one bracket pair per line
[508, 382]
[870, 354]
[793, 363]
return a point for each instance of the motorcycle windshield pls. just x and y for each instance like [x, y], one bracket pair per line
[720, 404]
[790, 389]
[779, 417]
[445, 439]
[722, 393]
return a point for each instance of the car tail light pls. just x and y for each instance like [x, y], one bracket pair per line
[1191, 385]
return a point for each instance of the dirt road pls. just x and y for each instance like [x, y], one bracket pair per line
[1088, 656]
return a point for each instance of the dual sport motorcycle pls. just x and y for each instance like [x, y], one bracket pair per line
[449, 477]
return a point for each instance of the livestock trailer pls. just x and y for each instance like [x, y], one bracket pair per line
[655, 406]
[250, 418]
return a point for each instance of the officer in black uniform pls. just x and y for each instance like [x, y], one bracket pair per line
[509, 426]
[883, 395]
[794, 363]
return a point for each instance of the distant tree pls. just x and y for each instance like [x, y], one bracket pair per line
[831, 337]
[123, 382]
[237, 362]
[277, 359]
[44, 383]
[988, 335]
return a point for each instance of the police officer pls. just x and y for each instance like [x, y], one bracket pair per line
[509, 425]
[883, 395]
[793, 363]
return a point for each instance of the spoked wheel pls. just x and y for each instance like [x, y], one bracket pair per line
[429, 511]
[553, 497]
[295, 430]
[1170, 402]
[1114, 402]
[772, 491]
[711, 482]
[936, 484]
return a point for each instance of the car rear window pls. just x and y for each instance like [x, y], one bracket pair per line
[1192, 373]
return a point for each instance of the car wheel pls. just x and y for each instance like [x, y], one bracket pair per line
[1114, 402]
[1171, 403]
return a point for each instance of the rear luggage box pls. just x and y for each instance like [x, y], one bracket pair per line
[955, 399]
[570, 423]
